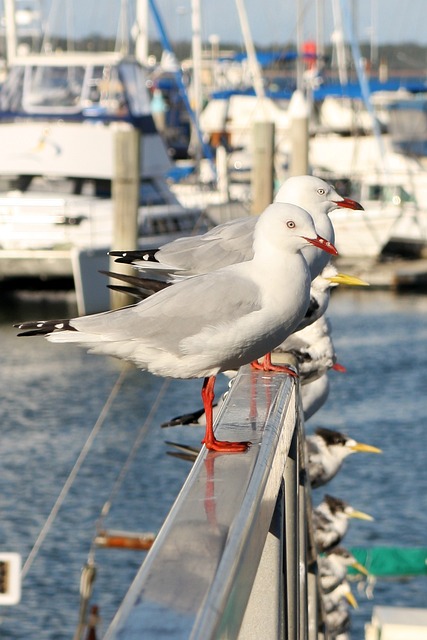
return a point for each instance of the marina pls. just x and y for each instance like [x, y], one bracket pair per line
[116, 521]
[54, 429]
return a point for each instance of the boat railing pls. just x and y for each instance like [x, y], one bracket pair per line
[235, 557]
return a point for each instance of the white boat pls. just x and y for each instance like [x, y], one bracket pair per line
[58, 115]
[392, 188]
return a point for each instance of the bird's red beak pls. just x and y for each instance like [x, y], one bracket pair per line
[322, 243]
[348, 203]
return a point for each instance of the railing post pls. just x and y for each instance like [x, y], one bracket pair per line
[291, 540]
[264, 616]
[302, 518]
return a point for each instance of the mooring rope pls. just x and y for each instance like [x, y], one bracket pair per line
[137, 443]
[74, 471]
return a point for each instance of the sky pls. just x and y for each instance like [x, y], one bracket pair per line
[270, 21]
[275, 21]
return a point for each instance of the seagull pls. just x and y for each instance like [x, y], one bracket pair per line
[331, 520]
[333, 568]
[214, 322]
[232, 242]
[326, 451]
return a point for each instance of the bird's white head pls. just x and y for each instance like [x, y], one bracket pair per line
[313, 194]
[289, 227]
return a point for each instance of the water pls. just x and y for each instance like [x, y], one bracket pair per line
[52, 395]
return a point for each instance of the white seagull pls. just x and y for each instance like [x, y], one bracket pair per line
[326, 452]
[331, 520]
[214, 322]
[232, 242]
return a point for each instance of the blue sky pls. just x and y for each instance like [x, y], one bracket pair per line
[271, 21]
[275, 21]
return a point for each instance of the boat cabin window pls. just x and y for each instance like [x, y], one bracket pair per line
[167, 224]
[104, 92]
[90, 90]
[50, 89]
[137, 95]
[391, 194]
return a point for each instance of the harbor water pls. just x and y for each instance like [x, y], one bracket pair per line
[51, 397]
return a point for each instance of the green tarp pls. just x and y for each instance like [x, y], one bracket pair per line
[392, 561]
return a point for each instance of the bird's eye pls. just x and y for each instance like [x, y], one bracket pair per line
[290, 224]
[321, 192]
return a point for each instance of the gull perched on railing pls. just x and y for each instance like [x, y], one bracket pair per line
[213, 322]
[232, 241]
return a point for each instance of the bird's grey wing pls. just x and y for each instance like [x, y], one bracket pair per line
[226, 244]
[180, 311]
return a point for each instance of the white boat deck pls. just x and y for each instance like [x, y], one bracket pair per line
[397, 623]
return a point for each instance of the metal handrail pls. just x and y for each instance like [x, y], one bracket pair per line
[227, 559]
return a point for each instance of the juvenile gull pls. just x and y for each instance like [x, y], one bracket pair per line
[326, 452]
[331, 520]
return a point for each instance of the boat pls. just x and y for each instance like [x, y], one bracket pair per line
[58, 117]
[391, 186]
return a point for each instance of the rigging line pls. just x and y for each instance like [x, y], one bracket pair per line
[137, 443]
[68, 483]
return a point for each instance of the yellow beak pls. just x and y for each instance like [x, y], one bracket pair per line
[351, 281]
[351, 599]
[360, 515]
[360, 568]
[367, 448]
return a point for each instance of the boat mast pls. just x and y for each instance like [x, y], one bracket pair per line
[338, 41]
[196, 46]
[141, 41]
[254, 66]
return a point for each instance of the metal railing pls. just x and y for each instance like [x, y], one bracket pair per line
[235, 557]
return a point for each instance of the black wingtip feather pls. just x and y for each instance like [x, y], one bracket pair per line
[187, 418]
[128, 257]
[43, 327]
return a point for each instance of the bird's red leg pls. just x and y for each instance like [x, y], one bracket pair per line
[209, 440]
[268, 366]
[339, 367]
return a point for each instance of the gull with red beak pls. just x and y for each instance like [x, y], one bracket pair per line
[232, 241]
[213, 322]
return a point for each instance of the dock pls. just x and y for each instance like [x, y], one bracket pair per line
[389, 273]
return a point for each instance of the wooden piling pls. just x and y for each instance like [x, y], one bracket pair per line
[262, 166]
[299, 133]
[125, 193]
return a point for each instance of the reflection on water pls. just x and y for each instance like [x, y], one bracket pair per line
[52, 395]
